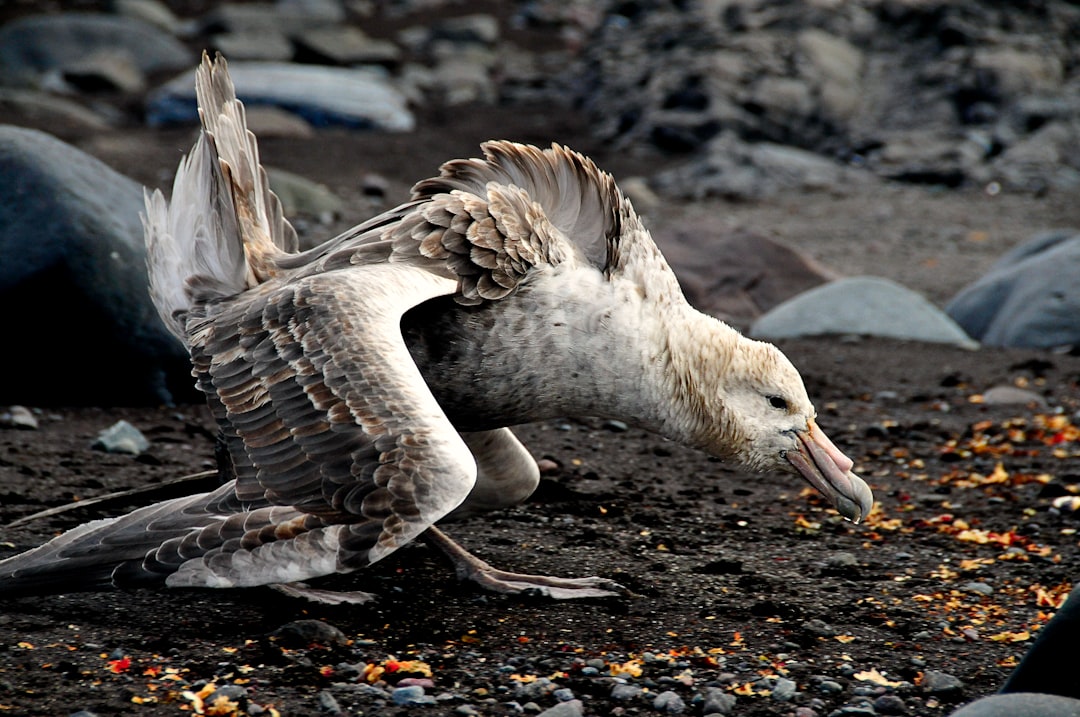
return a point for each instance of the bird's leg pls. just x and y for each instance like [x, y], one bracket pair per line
[327, 597]
[470, 567]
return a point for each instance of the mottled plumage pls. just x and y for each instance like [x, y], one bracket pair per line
[363, 388]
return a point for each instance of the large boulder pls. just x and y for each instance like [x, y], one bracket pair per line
[37, 47]
[737, 274]
[1030, 297]
[861, 306]
[79, 324]
[322, 95]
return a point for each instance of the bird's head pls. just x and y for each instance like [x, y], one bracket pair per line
[765, 420]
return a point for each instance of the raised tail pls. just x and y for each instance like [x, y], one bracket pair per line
[223, 229]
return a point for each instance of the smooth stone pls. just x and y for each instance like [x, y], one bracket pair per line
[34, 45]
[57, 116]
[122, 437]
[784, 690]
[939, 683]
[573, 708]
[669, 703]
[718, 701]
[411, 695]
[1013, 396]
[299, 195]
[251, 46]
[75, 257]
[303, 633]
[346, 45]
[1028, 298]
[1021, 704]
[322, 95]
[18, 417]
[151, 12]
[865, 306]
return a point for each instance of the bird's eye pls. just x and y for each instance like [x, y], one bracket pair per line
[777, 402]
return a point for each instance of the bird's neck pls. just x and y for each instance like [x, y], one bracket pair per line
[701, 352]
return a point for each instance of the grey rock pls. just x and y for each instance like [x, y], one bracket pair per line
[32, 46]
[928, 156]
[257, 17]
[73, 256]
[1006, 395]
[890, 705]
[669, 702]
[18, 417]
[979, 588]
[732, 168]
[301, 196]
[411, 695]
[151, 12]
[563, 694]
[329, 704]
[321, 95]
[819, 628]
[784, 690]
[303, 633]
[346, 45]
[867, 306]
[830, 687]
[122, 437]
[737, 274]
[1021, 704]
[105, 69]
[253, 46]
[854, 711]
[1040, 161]
[58, 116]
[477, 28]
[623, 692]
[1028, 298]
[939, 683]
[268, 121]
[718, 701]
[842, 560]
[573, 708]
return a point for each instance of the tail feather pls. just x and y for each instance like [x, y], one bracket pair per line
[177, 542]
[223, 230]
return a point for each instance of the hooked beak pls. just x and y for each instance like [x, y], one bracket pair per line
[823, 466]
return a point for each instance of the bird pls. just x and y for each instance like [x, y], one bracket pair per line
[365, 390]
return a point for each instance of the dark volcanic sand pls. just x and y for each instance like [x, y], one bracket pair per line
[727, 569]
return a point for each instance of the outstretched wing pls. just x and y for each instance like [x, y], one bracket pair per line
[323, 408]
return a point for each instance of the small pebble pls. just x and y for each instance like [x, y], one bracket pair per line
[615, 426]
[819, 628]
[830, 687]
[625, 692]
[413, 695]
[784, 689]
[563, 694]
[122, 437]
[303, 633]
[328, 703]
[718, 701]
[854, 711]
[669, 703]
[890, 705]
[842, 560]
[939, 683]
